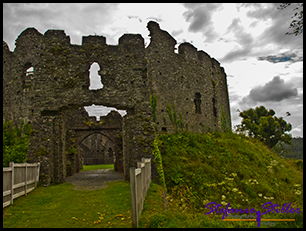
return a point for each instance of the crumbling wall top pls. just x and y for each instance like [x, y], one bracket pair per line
[159, 38]
[93, 39]
[188, 51]
[5, 47]
[135, 39]
[57, 35]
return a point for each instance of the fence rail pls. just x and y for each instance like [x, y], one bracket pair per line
[18, 180]
[140, 179]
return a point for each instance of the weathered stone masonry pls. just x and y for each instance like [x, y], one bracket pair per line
[52, 96]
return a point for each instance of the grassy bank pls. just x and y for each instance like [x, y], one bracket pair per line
[199, 169]
[224, 168]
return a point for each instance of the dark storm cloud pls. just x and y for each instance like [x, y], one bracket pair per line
[199, 15]
[275, 90]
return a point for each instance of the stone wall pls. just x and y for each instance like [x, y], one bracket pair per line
[191, 80]
[57, 85]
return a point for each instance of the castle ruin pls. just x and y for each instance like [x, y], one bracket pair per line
[46, 83]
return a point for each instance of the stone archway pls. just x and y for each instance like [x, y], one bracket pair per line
[81, 127]
[94, 148]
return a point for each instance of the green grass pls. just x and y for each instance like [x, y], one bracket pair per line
[199, 169]
[95, 167]
[224, 168]
[60, 206]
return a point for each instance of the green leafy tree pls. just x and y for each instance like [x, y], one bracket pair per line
[261, 124]
[15, 142]
[297, 22]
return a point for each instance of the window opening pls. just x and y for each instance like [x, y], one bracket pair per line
[30, 71]
[197, 101]
[214, 106]
[28, 74]
[99, 110]
[94, 77]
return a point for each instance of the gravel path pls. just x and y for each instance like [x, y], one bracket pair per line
[94, 179]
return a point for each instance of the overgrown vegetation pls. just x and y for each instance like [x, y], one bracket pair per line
[177, 123]
[198, 168]
[224, 168]
[15, 142]
[155, 150]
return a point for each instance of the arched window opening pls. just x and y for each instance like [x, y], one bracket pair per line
[28, 74]
[30, 71]
[94, 77]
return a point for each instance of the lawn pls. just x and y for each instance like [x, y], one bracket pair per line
[95, 167]
[60, 206]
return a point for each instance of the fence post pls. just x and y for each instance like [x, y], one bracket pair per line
[37, 176]
[141, 166]
[134, 197]
[143, 160]
[140, 179]
[12, 185]
[26, 174]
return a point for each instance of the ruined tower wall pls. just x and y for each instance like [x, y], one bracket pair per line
[191, 80]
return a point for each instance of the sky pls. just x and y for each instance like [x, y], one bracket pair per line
[263, 65]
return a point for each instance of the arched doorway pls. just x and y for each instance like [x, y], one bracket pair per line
[96, 149]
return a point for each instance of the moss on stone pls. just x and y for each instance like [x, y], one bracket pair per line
[42, 152]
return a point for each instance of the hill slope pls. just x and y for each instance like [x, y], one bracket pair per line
[228, 168]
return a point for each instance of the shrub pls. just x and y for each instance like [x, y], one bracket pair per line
[15, 142]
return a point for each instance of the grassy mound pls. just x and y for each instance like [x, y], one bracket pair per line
[225, 168]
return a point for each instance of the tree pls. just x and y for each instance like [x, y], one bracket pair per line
[296, 24]
[15, 142]
[261, 124]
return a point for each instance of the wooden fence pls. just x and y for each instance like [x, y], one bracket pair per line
[140, 179]
[18, 180]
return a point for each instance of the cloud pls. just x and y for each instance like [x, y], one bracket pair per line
[176, 32]
[75, 18]
[279, 25]
[265, 33]
[243, 38]
[275, 90]
[136, 17]
[199, 15]
[156, 19]
[290, 56]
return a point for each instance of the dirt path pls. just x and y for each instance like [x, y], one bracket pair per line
[94, 179]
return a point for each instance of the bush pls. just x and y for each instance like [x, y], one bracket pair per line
[15, 142]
